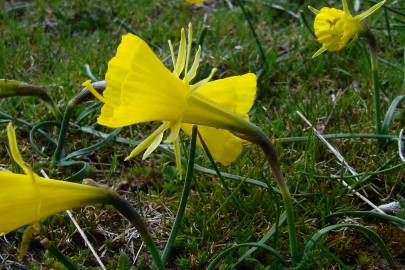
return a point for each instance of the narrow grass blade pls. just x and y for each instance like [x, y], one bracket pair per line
[62, 133]
[263, 240]
[387, 25]
[311, 244]
[224, 184]
[183, 201]
[214, 215]
[38, 128]
[67, 262]
[91, 149]
[132, 215]
[265, 64]
[338, 136]
[390, 114]
[225, 252]
[85, 113]
[78, 175]
[170, 153]
[343, 162]
[373, 214]
[304, 21]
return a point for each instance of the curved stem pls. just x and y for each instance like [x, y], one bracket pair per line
[271, 156]
[10, 88]
[132, 215]
[183, 200]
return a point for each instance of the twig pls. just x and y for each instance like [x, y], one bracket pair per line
[139, 251]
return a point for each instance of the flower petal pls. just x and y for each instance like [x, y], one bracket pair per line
[370, 11]
[222, 144]
[235, 93]
[149, 140]
[319, 52]
[140, 88]
[15, 153]
[152, 147]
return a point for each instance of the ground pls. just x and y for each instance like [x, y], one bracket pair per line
[48, 43]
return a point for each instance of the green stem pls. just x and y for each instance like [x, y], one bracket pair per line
[224, 184]
[267, 147]
[372, 45]
[132, 215]
[183, 200]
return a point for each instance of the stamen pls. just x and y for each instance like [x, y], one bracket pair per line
[193, 71]
[96, 94]
[181, 56]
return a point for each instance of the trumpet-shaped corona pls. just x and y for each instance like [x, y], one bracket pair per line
[141, 89]
[28, 198]
[335, 28]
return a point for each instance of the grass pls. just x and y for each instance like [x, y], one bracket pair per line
[48, 43]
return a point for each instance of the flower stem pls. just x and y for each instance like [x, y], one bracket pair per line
[184, 197]
[372, 45]
[132, 215]
[271, 155]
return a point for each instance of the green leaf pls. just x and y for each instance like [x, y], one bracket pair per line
[387, 217]
[390, 114]
[311, 244]
[225, 252]
[123, 262]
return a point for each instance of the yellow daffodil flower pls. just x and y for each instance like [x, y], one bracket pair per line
[141, 89]
[199, 2]
[334, 28]
[28, 198]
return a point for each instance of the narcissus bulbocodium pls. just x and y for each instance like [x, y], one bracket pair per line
[28, 198]
[139, 88]
[335, 28]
